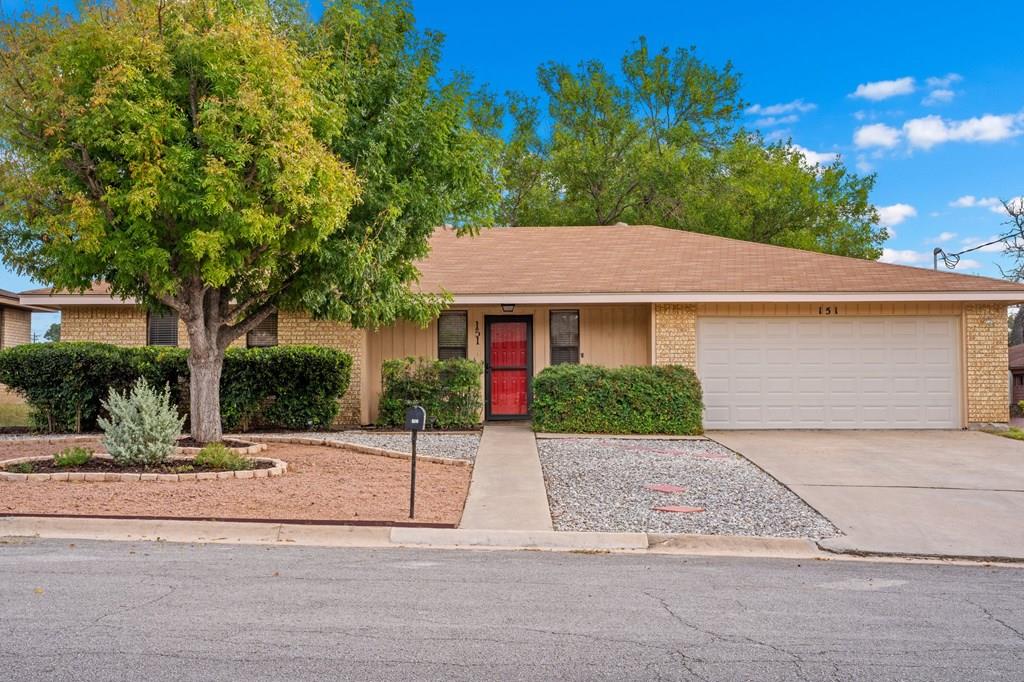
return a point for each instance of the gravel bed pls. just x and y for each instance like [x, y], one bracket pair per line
[598, 485]
[450, 445]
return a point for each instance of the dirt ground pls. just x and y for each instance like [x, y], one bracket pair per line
[320, 484]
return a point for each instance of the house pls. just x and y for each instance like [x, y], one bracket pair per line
[1016, 364]
[780, 338]
[15, 329]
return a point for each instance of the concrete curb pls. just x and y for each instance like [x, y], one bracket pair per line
[615, 436]
[839, 547]
[518, 539]
[734, 545]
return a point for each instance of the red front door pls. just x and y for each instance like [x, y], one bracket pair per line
[508, 366]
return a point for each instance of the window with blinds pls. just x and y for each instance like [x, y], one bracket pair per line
[264, 334]
[163, 329]
[452, 334]
[565, 336]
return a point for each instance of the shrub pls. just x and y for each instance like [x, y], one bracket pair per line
[449, 390]
[282, 387]
[21, 468]
[590, 399]
[72, 457]
[218, 456]
[143, 426]
[291, 387]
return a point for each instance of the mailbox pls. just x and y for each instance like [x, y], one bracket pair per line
[415, 418]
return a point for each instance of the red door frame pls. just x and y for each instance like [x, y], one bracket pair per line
[488, 321]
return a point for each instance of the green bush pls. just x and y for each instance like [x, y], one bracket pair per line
[143, 425]
[281, 387]
[449, 390]
[72, 457]
[219, 457]
[590, 399]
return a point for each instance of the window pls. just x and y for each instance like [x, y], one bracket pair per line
[1018, 379]
[452, 335]
[565, 336]
[163, 329]
[264, 334]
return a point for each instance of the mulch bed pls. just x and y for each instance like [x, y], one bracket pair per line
[105, 465]
[321, 484]
[188, 442]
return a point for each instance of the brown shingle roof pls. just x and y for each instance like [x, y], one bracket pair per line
[648, 259]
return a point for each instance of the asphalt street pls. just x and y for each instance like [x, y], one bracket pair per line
[160, 611]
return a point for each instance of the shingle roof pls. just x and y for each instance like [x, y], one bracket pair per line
[642, 259]
[648, 259]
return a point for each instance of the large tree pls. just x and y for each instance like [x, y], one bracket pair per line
[228, 158]
[662, 144]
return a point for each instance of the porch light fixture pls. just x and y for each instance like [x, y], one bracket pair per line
[508, 307]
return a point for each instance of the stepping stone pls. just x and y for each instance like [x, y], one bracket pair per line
[679, 509]
[665, 488]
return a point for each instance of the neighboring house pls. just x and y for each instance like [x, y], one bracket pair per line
[1016, 363]
[15, 329]
[780, 338]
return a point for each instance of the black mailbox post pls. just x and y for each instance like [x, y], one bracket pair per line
[415, 421]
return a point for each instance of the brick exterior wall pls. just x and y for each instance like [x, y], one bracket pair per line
[127, 326]
[298, 329]
[17, 327]
[986, 371]
[674, 334]
[121, 325]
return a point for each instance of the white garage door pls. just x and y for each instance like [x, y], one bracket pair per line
[829, 372]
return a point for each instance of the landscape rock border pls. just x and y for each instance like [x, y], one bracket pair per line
[277, 468]
[364, 449]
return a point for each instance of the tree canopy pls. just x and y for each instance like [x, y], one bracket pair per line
[228, 158]
[662, 145]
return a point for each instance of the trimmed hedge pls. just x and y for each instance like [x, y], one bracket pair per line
[449, 390]
[571, 398]
[280, 387]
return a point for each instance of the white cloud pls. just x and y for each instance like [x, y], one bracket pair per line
[797, 106]
[993, 204]
[941, 96]
[904, 256]
[938, 82]
[814, 158]
[863, 165]
[893, 215]
[945, 236]
[968, 264]
[770, 121]
[972, 242]
[929, 131]
[879, 90]
[876, 135]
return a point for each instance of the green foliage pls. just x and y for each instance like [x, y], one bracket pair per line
[294, 387]
[662, 145]
[290, 387]
[220, 458]
[72, 457]
[52, 332]
[143, 426]
[64, 383]
[449, 390]
[202, 156]
[20, 468]
[572, 398]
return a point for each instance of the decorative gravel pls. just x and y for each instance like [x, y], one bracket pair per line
[451, 445]
[597, 484]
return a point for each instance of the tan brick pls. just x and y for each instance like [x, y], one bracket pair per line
[675, 334]
[988, 392]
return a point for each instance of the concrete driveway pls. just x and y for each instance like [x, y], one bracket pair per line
[935, 493]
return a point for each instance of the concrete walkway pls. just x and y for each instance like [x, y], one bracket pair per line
[928, 493]
[507, 490]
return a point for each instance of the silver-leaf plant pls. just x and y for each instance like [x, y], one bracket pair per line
[143, 425]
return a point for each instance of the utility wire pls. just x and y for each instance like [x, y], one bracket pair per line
[952, 259]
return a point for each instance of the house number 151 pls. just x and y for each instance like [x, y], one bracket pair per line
[828, 310]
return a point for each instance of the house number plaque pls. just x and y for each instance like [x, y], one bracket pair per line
[828, 310]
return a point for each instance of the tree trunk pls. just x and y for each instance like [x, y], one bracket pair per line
[204, 385]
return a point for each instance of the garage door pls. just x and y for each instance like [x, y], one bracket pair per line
[829, 372]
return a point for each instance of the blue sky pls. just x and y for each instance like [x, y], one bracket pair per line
[927, 96]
